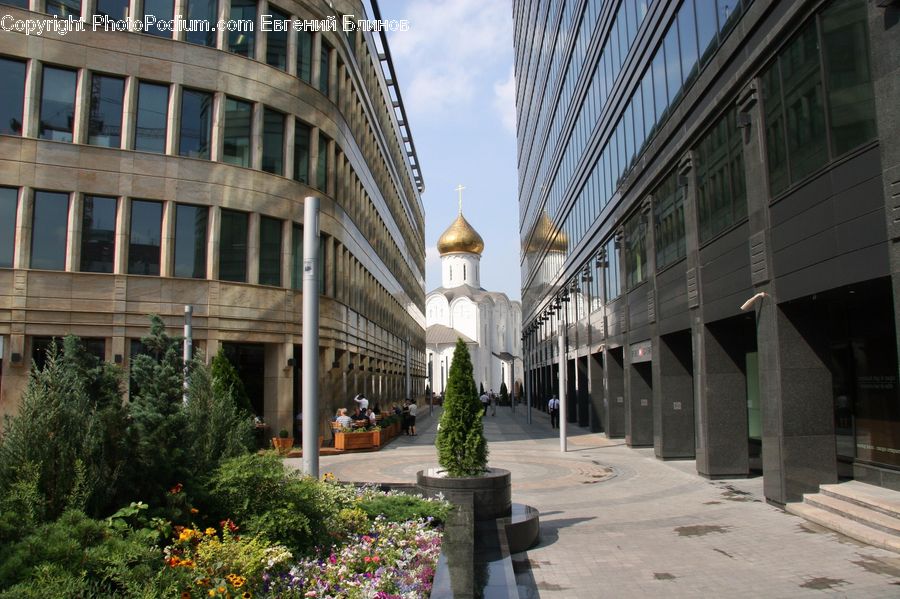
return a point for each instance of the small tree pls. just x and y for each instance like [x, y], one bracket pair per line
[462, 448]
[504, 394]
[226, 380]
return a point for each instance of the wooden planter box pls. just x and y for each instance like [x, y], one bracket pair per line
[347, 441]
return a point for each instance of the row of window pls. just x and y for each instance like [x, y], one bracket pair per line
[813, 113]
[144, 240]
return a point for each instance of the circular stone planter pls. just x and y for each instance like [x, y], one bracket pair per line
[490, 494]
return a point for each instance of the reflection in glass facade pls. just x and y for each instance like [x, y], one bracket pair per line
[98, 234]
[145, 237]
[304, 55]
[273, 141]
[270, 251]
[105, 118]
[64, 8]
[302, 134]
[233, 246]
[322, 163]
[57, 104]
[668, 221]
[152, 112]
[277, 41]
[721, 189]
[160, 10]
[202, 10]
[324, 67]
[242, 42]
[12, 96]
[49, 230]
[9, 204]
[190, 241]
[238, 119]
[114, 9]
[196, 124]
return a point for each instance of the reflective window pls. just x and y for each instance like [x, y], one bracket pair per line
[202, 10]
[297, 257]
[98, 234]
[721, 190]
[776, 148]
[706, 28]
[273, 142]
[322, 163]
[647, 100]
[304, 55]
[196, 124]
[728, 13]
[659, 83]
[190, 241]
[635, 250]
[673, 64]
[9, 204]
[236, 136]
[302, 134]
[269, 251]
[146, 233]
[12, 96]
[611, 263]
[687, 40]
[324, 67]
[152, 113]
[851, 105]
[49, 230]
[64, 8]
[242, 42]
[233, 246]
[157, 15]
[668, 218]
[57, 104]
[277, 41]
[801, 81]
[16, 3]
[114, 9]
[105, 119]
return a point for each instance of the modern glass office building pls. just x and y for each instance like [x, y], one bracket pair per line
[143, 171]
[708, 193]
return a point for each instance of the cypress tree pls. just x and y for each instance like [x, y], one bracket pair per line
[504, 394]
[462, 448]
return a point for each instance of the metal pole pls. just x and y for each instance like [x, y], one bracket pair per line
[311, 336]
[512, 382]
[529, 383]
[562, 386]
[186, 355]
[431, 384]
[408, 379]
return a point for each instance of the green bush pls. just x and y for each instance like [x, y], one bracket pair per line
[400, 508]
[462, 448]
[69, 437]
[264, 499]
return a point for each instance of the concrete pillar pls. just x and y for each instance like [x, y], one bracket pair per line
[673, 396]
[290, 135]
[256, 136]
[581, 377]
[253, 248]
[173, 122]
[73, 238]
[722, 446]
[31, 108]
[614, 398]
[638, 403]
[82, 107]
[212, 244]
[598, 418]
[315, 71]
[123, 220]
[167, 249]
[217, 143]
[278, 399]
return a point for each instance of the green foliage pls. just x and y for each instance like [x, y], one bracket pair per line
[462, 448]
[264, 499]
[159, 425]
[81, 557]
[400, 508]
[68, 443]
[226, 381]
[217, 428]
[504, 394]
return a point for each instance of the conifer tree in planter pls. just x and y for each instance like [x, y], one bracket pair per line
[462, 448]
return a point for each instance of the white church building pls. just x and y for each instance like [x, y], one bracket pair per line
[489, 322]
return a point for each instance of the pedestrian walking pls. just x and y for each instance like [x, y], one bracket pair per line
[553, 408]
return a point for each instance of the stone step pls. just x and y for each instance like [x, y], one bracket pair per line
[856, 512]
[845, 526]
[879, 499]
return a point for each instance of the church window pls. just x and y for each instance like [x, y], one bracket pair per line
[451, 272]
[464, 272]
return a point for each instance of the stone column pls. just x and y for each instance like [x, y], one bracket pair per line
[290, 136]
[173, 122]
[217, 143]
[167, 249]
[82, 107]
[212, 244]
[123, 220]
[31, 108]
[73, 239]
[278, 398]
[673, 396]
[253, 248]
[614, 397]
[598, 415]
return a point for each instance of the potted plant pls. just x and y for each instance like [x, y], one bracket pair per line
[283, 442]
[462, 449]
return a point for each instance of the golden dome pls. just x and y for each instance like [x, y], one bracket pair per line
[545, 230]
[460, 237]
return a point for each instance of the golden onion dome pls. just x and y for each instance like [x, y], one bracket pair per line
[460, 237]
[545, 230]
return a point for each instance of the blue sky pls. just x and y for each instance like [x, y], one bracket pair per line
[454, 68]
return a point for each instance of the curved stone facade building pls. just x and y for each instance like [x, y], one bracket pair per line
[142, 172]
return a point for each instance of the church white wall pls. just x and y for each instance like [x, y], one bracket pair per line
[437, 310]
[465, 317]
[460, 269]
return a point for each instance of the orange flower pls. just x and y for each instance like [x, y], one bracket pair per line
[195, 510]
[176, 489]
[185, 595]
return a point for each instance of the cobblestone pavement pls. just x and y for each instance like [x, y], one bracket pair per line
[617, 522]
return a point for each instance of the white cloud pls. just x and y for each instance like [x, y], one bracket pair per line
[505, 101]
[450, 46]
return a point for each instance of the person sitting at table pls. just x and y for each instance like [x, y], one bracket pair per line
[373, 419]
[342, 418]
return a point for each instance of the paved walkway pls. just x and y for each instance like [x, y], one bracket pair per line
[617, 522]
